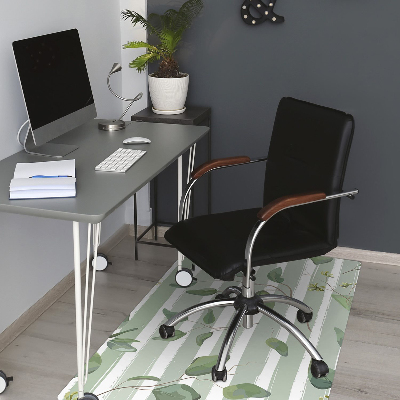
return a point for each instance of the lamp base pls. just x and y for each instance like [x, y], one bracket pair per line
[109, 125]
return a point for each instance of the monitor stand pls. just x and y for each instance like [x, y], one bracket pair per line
[48, 149]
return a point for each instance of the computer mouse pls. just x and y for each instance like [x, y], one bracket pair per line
[136, 140]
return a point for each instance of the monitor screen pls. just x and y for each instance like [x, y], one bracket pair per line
[55, 83]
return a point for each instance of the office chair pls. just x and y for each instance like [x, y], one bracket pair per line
[304, 175]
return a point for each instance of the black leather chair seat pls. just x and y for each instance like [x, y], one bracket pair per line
[217, 242]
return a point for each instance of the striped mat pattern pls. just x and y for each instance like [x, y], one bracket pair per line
[265, 362]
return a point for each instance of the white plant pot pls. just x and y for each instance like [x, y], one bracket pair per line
[168, 95]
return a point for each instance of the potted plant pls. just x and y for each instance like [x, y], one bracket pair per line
[168, 86]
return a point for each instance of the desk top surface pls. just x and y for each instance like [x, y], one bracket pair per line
[100, 193]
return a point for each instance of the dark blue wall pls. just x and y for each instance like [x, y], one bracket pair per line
[343, 54]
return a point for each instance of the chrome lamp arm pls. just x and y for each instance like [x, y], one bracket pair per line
[136, 98]
[269, 211]
[117, 124]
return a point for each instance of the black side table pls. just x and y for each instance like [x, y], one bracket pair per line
[192, 116]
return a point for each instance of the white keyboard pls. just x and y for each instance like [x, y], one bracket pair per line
[121, 160]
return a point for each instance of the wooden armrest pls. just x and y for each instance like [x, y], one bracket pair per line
[288, 201]
[219, 162]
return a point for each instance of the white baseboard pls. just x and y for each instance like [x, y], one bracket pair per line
[376, 257]
[34, 312]
[150, 234]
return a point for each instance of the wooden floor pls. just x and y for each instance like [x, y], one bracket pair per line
[43, 358]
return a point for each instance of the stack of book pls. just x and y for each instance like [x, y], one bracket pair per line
[43, 180]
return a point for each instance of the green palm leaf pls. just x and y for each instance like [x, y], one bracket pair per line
[140, 63]
[138, 45]
[168, 28]
[188, 12]
[136, 18]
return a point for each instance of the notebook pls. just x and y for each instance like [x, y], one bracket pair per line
[42, 180]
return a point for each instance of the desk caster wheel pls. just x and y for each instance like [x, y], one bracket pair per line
[319, 368]
[89, 396]
[303, 317]
[102, 262]
[166, 331]
[4, 381]
[219, 375]
[184, 277]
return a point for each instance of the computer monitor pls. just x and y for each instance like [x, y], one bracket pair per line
[56, 88]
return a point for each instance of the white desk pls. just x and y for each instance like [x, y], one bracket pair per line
[98, 194]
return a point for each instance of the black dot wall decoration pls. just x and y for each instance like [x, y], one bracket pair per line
[265, 12]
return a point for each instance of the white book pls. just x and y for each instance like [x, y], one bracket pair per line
[47, 168]
[47, 179]
[42, 194]
[42, 183]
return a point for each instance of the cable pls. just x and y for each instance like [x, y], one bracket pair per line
[20, 129]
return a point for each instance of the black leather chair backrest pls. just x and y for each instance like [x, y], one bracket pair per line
[309, 149]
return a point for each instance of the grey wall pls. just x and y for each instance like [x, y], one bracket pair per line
[338, 53]
[37, 253]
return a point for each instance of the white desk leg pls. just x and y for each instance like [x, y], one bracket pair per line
[84, 327]
[192, 153]
[78, 308]
[180, 256]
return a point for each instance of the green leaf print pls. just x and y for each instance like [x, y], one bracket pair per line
[144, 378]
[276, 275]
[314, 287]
[122, 332]
[321, 260]
[201, 365]
[200, 339]
[339, 336]
[278, 345]
[178, 335]
[94, 363]
[124, 340]
[322, 383]
[209, 318]
[245, 391]
[344, 301]
[170, 314]
[121, 345]
[71, 396]
[176, 392]
[202, 292]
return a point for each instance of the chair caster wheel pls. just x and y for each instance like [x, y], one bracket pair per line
[4, 381]
[218, 375]
[319, 368]
[304, 317]
[89, 396]
[184, 277]
[166, 331]
[102, 262]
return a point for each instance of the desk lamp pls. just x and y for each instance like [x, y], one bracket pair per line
[118, 124]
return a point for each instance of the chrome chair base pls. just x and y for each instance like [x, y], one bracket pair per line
[245, 308]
